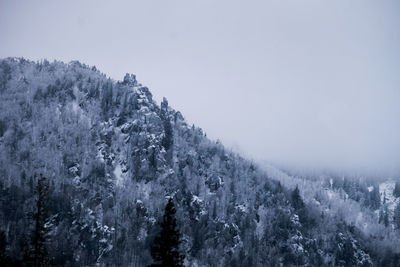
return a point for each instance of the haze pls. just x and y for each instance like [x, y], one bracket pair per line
[299, 83]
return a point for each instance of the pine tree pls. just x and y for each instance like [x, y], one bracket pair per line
[297, 201]
[381, 215]
[214, 211]
[396, 191]
[299, 206]
[3, 246]
[165, 249]
[168, 139]
[375, 198]
[345, 255]
[386, 217]
[38, 254]
[396, 217]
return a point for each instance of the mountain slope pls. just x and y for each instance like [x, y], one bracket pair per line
[112, 156]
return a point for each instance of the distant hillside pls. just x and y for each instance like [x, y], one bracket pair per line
[112, 156]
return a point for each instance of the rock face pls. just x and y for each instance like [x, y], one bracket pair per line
[112, 157]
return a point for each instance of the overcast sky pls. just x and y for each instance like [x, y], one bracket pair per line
[305, 83]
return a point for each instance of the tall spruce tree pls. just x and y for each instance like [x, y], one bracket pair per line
[3, 246]
[168, 139]
[38, 253]
[386, 216]
[396, 217]
[396, 191]
[299, 206]
[297, 201]
[165, 249]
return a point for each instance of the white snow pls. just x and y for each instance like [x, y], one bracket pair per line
[118, 175]
[196, 199]
[295, 219]
[142, 234]
[77, 180]
[126, 126]
[220, 180]
[370, 188]
[242, 208]
[75, 106]
[386, 192]
[74, 169]
[100, 150]
[144, 189]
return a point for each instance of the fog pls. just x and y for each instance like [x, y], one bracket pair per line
[310, 84]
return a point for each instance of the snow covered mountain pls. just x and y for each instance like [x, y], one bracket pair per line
[112, 156]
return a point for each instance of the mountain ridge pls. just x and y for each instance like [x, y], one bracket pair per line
[112, 156]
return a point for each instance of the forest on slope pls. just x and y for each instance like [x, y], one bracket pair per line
[112, 157]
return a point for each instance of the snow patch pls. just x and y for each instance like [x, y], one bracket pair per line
[242, 208]
[196, 199]
[387, 197]
[118, 175]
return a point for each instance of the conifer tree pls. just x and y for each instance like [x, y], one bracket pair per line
[168, 136]
[38, 254]
[386, 217]
[381, 215]
[374, 200]
[297, 202]
[165, 249]
[396, 217]
[3, 245]
[396, 191]
[299, 206]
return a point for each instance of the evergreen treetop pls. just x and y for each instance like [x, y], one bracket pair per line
[165, 249]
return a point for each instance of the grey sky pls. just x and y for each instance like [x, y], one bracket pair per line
[309, 83]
